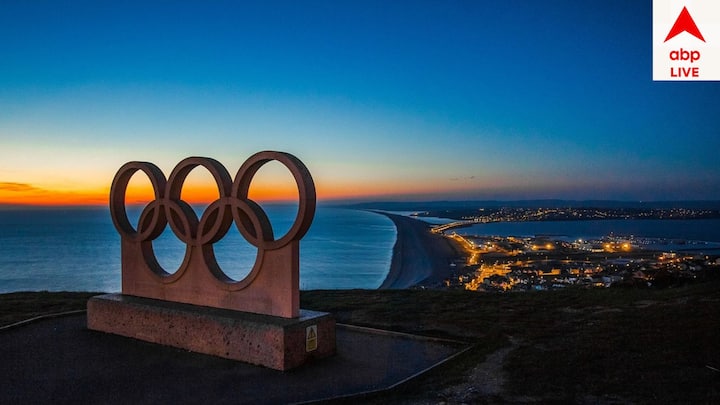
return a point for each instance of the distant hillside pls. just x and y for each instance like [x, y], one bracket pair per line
[454, 205]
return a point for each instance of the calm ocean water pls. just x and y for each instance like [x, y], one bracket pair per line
[699, 229]
[79, 249]
[705, 230]
[699, 236]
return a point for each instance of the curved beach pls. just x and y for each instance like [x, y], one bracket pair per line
[419, 256]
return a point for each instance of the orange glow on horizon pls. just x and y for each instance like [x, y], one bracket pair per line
[195, 191]
[202, 195]
[28, 195]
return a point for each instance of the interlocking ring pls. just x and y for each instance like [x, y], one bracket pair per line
[232, 205]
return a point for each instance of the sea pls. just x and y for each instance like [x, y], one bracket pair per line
[676, 229]
[694, 235]
[78, 249]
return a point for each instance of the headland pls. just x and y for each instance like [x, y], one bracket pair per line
[426, 256]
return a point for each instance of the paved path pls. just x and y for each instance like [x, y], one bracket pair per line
[60, 361]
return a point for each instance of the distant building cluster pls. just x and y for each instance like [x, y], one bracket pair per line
[531, 264]
[467, 217]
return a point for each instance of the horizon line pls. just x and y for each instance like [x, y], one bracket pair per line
[359, 201]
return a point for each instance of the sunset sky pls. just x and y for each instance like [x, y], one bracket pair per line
[381, 100]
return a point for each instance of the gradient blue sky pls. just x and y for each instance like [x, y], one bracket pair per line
[381, 100]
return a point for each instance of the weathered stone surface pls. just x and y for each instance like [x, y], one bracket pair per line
[272, 285]
[197, 306]
[270, 341]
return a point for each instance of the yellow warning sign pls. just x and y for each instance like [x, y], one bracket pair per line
[311, 338]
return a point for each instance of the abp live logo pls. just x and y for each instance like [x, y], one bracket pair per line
[686, 40]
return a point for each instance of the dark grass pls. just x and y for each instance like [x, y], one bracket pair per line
[648, 352]
[606, 345]
[19, 306]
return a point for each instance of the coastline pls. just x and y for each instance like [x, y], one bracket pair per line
[419, 257]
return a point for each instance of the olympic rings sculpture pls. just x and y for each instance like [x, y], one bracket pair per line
[199, 234]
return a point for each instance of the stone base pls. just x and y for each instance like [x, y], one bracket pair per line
[270, 341]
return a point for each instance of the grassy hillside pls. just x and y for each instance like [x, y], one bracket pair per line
[590, 346]
[19, 306]
[596, 346]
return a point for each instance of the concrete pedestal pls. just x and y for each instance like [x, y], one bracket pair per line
[270, 341]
